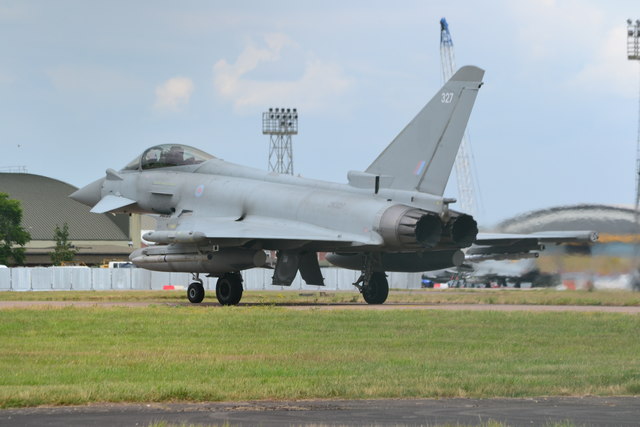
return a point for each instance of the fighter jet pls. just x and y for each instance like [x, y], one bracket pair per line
[485, 273]
[219, 218]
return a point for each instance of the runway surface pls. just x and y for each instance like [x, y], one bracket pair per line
[587, 411]
[340, 306]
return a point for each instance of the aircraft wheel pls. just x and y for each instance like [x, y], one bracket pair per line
[195, 292]
[229, 289]
[377, 290]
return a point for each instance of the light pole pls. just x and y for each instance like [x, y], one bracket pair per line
[633, 54]
[280, 124]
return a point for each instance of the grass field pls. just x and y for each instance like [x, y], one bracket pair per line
[537, 296]
[81, 355]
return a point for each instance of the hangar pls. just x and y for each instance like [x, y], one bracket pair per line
[614, 253]
[616, 225]
[45, 204]
[610, 219]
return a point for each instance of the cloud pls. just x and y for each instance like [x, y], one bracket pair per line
[546, 29]
[15, 12]
[609, 69]
[577, 40]
[174, 94]
[318, 87]
[89, 81]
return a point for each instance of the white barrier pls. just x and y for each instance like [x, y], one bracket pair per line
[5, 279]
[21, 279]
[103, 279]
[100, 279]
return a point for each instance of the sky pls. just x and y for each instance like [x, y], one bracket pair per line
[88, 85]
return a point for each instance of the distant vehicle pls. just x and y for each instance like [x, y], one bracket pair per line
[426, 282]
[116, 264]
[3, 266]
[121, 264]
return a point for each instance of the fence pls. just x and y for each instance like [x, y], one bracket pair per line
[99, 279]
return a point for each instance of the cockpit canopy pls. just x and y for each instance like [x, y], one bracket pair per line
[168, 155]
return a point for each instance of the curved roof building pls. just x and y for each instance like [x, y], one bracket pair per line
[605, 219]
[45, 204]
[616, 225]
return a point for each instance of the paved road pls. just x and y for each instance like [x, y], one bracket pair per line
[588, 411]
[341, 306]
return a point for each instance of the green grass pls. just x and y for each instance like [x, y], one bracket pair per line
[449, 296]
[83, 355]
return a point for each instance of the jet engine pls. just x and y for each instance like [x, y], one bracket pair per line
[461, 230]
[183, 258]
[405, 227]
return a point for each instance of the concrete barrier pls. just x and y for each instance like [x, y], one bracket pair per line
[21, 279]
[140, 279]
[42, 279]
[103, 279]
[121, 279]
[81, 279]
[100, 279]
[5, 279]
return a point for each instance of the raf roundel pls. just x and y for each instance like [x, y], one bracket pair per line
[199, 190]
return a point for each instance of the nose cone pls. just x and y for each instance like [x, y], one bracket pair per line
[90, 194]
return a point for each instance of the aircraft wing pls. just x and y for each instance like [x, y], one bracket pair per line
[558, 237]
[499, 246]
[221, 229]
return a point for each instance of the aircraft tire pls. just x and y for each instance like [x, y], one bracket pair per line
[195, 292]
[229, 289]
[377, 290]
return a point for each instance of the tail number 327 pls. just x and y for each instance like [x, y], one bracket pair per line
[446, 97]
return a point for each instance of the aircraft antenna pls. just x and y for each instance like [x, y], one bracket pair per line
[463, 164]
[280, 124]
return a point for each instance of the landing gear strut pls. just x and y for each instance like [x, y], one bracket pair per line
[195, 291]
[229, 289]
[374, 287]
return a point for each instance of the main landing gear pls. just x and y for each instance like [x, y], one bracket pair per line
[228, 289]
[373, 285]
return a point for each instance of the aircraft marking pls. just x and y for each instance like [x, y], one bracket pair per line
[446, 98]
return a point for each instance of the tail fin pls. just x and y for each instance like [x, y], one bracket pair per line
[422, 155]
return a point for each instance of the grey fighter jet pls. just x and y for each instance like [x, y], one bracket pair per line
[219, 218]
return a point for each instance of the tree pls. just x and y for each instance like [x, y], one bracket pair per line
[11, 232]
[64, 250]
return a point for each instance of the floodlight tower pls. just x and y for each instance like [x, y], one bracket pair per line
[466, 193]
[280, 124]
[633, 54]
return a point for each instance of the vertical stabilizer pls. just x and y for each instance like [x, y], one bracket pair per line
[422, 155]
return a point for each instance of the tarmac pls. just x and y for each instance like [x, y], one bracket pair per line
[545, 411]
[340, 306]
